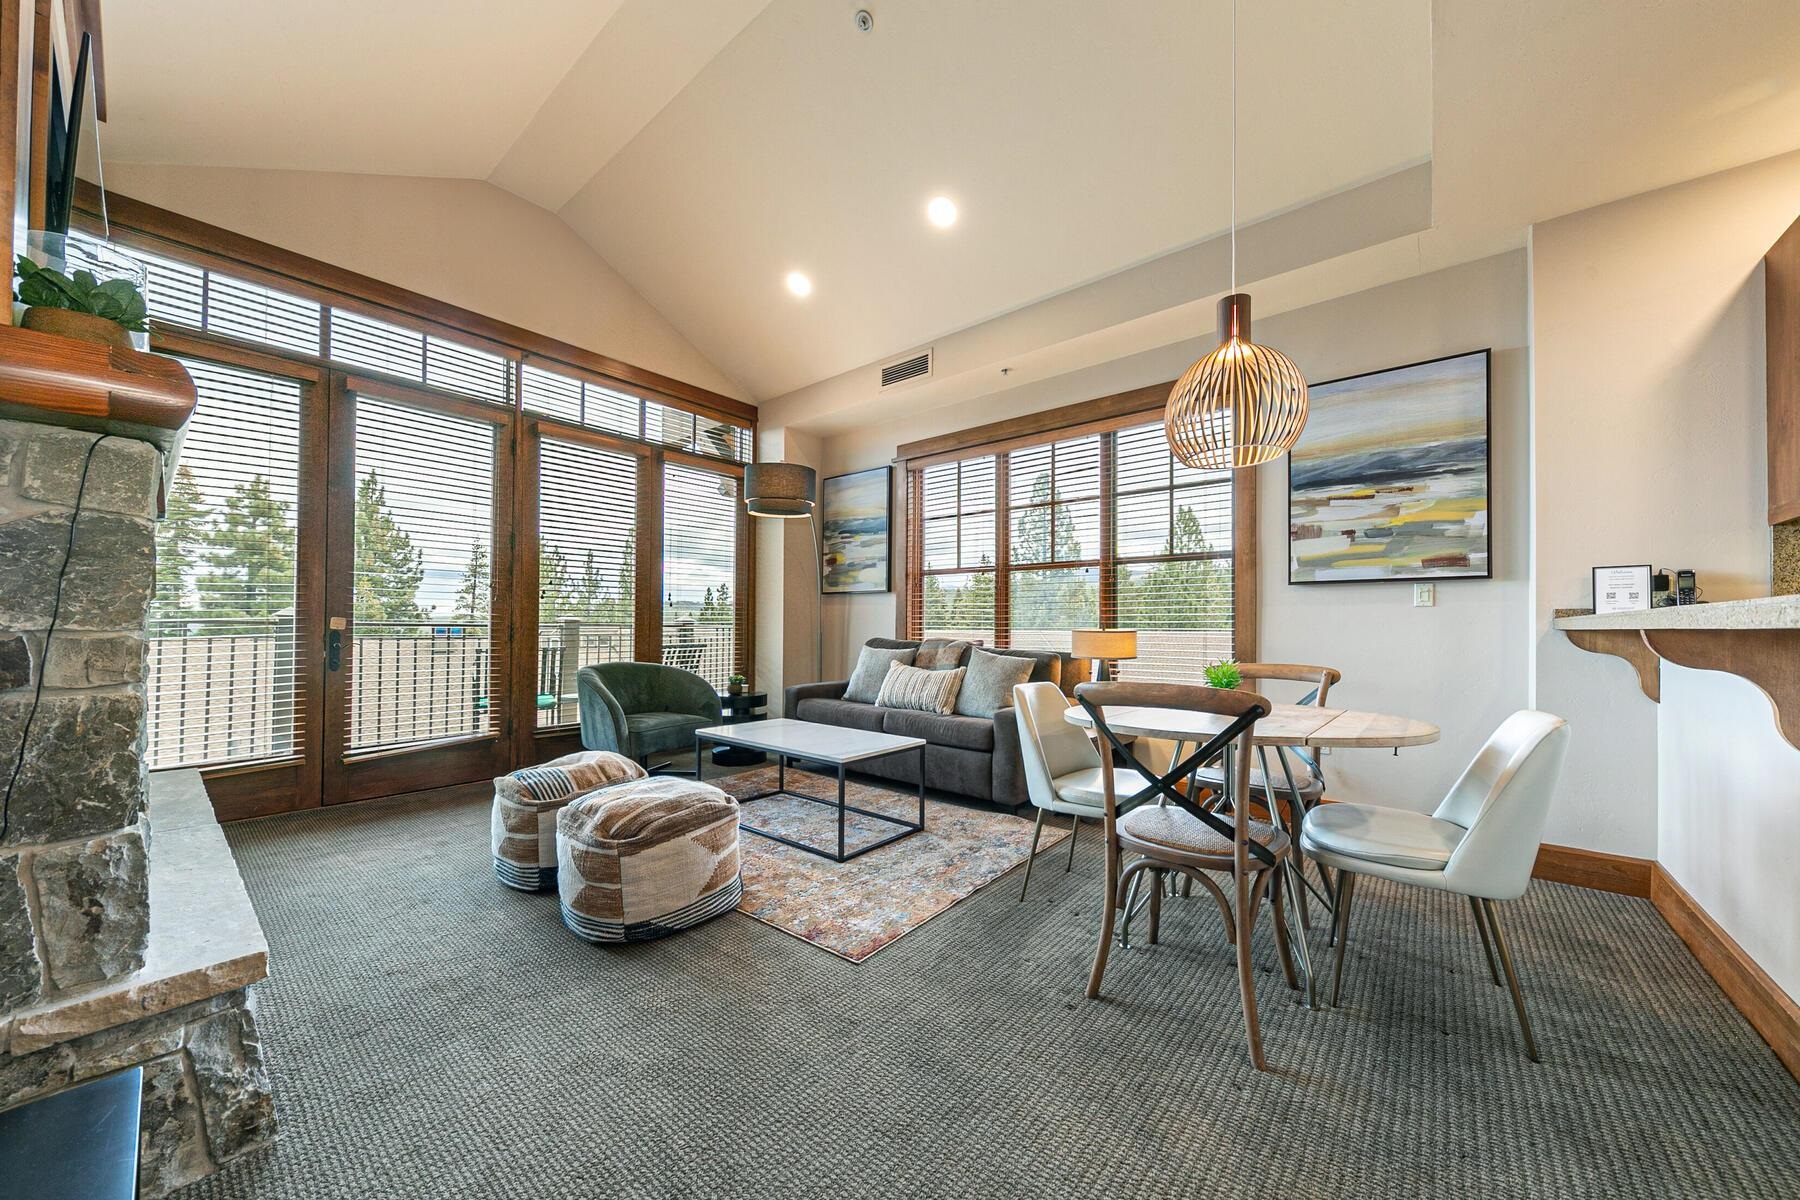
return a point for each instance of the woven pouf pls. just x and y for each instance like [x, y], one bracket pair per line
[525, 807]
[647, 859]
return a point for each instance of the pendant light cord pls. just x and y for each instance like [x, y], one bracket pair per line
[1234, 124]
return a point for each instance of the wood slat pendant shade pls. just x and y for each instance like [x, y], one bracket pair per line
[1241, 405]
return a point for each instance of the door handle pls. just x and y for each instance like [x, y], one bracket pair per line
[334, 644]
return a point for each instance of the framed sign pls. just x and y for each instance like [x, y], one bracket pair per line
[1621, 589]
[854, 522]
[1389, 480]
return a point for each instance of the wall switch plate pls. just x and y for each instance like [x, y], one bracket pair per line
[1424, 595]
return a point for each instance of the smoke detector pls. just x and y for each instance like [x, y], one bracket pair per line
[865, 20]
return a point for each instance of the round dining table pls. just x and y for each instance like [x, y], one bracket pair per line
[1287, 727]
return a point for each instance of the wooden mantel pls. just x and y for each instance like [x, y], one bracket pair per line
[62, 381]
[1757, 640]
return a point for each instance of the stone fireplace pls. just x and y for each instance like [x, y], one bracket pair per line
[126, 936]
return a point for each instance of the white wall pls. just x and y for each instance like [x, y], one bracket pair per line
[1649, 446]
[1460, 664]
[461, 241]
[1729, 813]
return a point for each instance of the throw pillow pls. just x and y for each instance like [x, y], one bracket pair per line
[920, 689]
[937, 654]
[988, 686]
[871, 668]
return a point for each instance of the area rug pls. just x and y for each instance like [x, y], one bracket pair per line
[854, 909]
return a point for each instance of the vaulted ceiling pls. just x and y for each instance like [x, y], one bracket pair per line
[705, 148]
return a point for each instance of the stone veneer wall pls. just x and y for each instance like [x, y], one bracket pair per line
[74, 901]
[75, 910]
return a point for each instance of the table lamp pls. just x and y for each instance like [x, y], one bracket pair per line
[1103, 646]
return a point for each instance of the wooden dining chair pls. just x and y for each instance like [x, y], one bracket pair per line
[1179, 837]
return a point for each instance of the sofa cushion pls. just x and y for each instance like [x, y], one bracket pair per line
[846, 714]
[941, 654]
[872, 668]
[965, 733]
[920, 690]
[655, 732]
[987, 686]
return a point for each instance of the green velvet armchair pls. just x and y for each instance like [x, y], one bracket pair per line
[638, 709]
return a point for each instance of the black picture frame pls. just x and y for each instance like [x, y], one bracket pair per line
[885, 476]
[1487, 425]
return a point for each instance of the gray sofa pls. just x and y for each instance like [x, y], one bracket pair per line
[970, 756]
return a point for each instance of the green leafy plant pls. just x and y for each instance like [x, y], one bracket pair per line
[1224, 674]
[737, 679]
[116, 300]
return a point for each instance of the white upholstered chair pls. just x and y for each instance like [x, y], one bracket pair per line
[1062, 766]
[1480, 843]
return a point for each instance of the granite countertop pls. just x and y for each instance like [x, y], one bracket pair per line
[1768, 612]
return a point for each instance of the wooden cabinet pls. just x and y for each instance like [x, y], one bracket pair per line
[1781, 271]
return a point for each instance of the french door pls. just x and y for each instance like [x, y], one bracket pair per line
[419, 565]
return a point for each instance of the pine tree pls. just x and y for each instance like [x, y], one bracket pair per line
[389, 568]
[553, 585]
[474, 596]
[722, 605]
[181, 540]
[253, 554]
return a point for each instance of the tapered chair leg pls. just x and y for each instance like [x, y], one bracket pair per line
[1156, 894]
[1242, 915]
[1106, 921]
[1037, 831]
[1074, 832]
[1512, 978]
[1341, 930]
[1487, 945]
[1283, 947]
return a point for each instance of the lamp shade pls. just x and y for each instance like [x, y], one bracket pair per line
[780, 489]
[1241, 405]
[1110, 644]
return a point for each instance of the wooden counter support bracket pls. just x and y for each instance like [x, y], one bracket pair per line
[1628, 644]
[1769, 658]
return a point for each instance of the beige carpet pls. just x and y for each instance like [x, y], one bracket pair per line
[854, 909]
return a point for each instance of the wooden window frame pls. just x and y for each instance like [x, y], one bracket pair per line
[183, 239]
[1105, 417]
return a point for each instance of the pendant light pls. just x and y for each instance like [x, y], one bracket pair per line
[1243, 404]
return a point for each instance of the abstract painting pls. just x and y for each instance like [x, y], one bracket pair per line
[1390, 477]
[854, 511]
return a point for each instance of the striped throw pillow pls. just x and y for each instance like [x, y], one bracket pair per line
[919, 689]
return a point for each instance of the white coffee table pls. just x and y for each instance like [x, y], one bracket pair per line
[829, 746]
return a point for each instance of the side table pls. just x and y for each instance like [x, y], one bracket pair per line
[735, 710]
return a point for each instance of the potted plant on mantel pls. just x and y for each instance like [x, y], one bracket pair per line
[79, 305]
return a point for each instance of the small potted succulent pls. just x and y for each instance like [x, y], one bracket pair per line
[79, 305]
[735, 685]
[1224, 674]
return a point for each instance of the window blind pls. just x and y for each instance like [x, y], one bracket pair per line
[1101, 530]
[587, 563]
[702, 607]
[957, 506]
[580, 403]
[1053, 516]
[424, 666]
[221, 678]
[1173, 577]
[363, 341]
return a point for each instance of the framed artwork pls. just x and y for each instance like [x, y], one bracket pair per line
[855, 514]
[1390, 478]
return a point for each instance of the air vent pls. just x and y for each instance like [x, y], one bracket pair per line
[899, 371]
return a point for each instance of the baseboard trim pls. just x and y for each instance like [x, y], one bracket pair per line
[1770, 1011]
[1594, 869]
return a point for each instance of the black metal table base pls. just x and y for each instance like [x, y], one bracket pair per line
[844, 854]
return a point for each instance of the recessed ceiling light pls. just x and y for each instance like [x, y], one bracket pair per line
[799, 284]
[941, 211]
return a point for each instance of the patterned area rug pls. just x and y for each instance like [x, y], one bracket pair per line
[854, 909]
